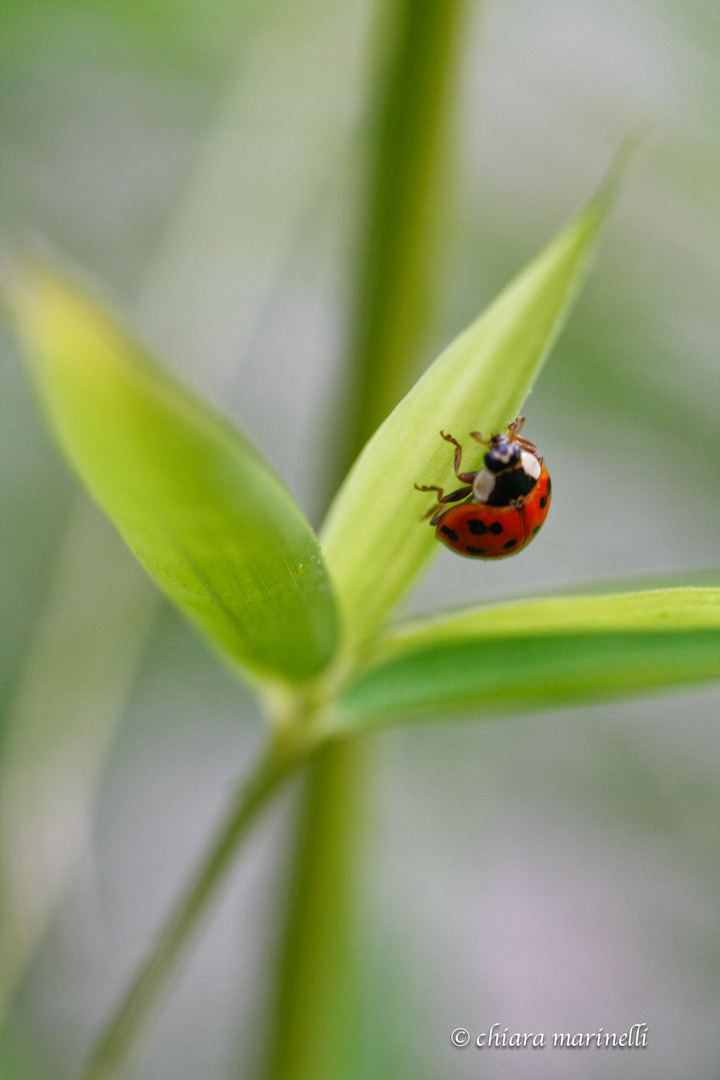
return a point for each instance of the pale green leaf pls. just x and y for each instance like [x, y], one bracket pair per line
[373, 539]
[197, 504]
[537, 653]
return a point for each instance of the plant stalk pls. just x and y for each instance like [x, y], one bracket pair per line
[396, 274]
[318, 1030]
[123, 1034]
[319, 1003]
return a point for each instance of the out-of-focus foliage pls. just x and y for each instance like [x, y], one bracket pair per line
[553, 873]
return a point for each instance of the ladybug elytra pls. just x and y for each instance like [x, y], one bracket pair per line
[501, 506]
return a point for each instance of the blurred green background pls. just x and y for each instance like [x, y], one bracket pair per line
[560, 872]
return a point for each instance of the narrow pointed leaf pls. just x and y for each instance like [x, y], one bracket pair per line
[373, 539]
[538, 653]
[201, 509]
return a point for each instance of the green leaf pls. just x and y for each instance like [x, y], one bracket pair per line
[200, 508]
[537, 653]
[373, 540]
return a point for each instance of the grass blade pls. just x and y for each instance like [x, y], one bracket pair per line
[538, 653]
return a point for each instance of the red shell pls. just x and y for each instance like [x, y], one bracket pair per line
[491, 532]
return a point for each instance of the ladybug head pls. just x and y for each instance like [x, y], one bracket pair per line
[503, 454]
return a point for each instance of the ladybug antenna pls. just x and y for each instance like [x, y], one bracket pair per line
[478, 438]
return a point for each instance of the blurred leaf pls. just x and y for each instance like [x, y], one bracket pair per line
[538, 653]
[269, 165]
[200, 508]
[66, 706]
[373, 540]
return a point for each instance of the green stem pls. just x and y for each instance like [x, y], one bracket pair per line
[319, 1002]
[397, 274]
[317, 1034]
[123, 1033]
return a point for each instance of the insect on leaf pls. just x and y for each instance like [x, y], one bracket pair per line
[373, 541]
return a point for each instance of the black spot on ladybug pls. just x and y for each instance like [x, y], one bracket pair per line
[479, 528]
[450, 533]
[509, 544]
[536, 530]
[475, 551]
[544, 498]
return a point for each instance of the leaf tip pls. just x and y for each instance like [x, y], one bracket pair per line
[629, 147]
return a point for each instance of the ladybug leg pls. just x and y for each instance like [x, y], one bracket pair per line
[530, 447]
[516, 426]
[456, 496]
[430, 487]
[440, 507]
[458, 451]
[466, 477]
[453, 496]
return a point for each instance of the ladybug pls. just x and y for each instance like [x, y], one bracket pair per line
[502, 506]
